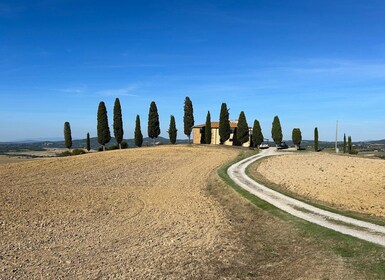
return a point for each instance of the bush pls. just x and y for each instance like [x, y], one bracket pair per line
[353, 152]
[76, 152]
[100, 149]
[124, 145]
[113, 147]
[64, 154]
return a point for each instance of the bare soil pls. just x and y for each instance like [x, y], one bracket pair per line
[138, 213]
[346, 182]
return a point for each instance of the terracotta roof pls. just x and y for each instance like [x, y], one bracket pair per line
[216, 125]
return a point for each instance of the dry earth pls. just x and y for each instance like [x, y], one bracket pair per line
[351, 183]
[138, 213]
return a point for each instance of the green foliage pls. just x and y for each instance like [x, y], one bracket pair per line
[138, 132]
[243, 134]
[67, 135]
[257, 134]
[104, 135]
[118, 122]
[153, 122]
[124, 145]
[208, 129]
[350, 145]
[113, 147]
[64, 154]
[188, 118]
[345, 144]
[76, 152]
[88, 142]
[172, 131]
[224, 124]
[276, 131]
[297, 137]
[316, 139]
[353, 152]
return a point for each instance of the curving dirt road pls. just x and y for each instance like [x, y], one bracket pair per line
[363, 230]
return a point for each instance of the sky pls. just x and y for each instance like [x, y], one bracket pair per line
[310, 62]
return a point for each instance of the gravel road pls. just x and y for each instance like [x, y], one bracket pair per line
[353, 227]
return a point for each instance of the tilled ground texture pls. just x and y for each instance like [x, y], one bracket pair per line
[351, 183]
[137, 213]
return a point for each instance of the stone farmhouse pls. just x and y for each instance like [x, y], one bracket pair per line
[199, 134]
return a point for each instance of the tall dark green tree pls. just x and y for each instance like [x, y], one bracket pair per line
[350, 144]
[118, 123]
[67, 135]
[345, 144]
[224, 124]
[88, 142]
[243, 133]
[296, 137]
[138, 133]
[153, 122]
[208, 129]
[172, 131]
[316, 139]
[276, 131]
[188, 118]
[257, 135]
[104, 135]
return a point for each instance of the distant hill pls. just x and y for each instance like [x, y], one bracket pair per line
[81, 144]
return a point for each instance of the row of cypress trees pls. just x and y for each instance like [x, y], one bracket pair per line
[103, 130]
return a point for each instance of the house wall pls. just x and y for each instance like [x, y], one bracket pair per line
[215, 138]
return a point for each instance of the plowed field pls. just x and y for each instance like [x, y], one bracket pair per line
[138, 213]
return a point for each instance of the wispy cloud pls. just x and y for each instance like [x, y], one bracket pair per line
[125, 91]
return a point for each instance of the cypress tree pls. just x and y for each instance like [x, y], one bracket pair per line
[243, 133]
[172, 131]
[344, 143]
[88, 142]
[67, 135]
[153, 122]
[297, 137]
[257, 136]
[316, 139]
[104, 135]
[350, 144]
[208, 129]
[276, 131]
[224, 124]
[188, 117]
[118, 123]
[138, 132]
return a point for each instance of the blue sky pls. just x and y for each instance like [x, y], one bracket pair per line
[310, 62]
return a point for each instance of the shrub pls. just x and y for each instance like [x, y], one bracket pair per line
[76, 152]
[113, 147]
[124, 145]
[64, 154]
[353, 152]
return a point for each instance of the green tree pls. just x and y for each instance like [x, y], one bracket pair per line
[350, 145]
[118, 123]
[188, 118]
[243, 133]
[224, 124]
[316, 139]
[208, 129]
[276, 131]
[104, 135]
[345, 143]
[88, 142]
[172, 131]
[138, 132]
[257, 136]
[297, 137]
[67, 135]
[153, 122]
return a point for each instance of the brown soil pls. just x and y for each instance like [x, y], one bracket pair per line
[351, 183]
[138, 213]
